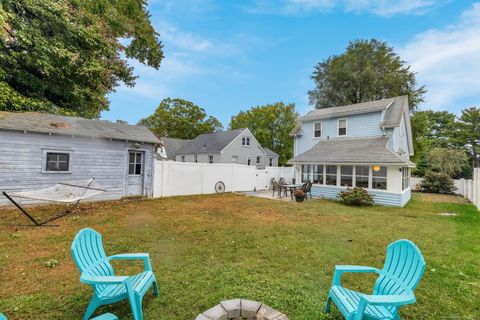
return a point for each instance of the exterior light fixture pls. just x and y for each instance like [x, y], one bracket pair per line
[376, 168]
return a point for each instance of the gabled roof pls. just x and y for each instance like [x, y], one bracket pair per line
[73, 126]
[172, 145]
[393, 108]
[351, 151]
[270, 152]
[213, 142]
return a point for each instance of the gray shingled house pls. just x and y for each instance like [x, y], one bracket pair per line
[40, 150]
[233, 146]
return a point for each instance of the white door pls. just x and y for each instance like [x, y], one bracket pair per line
[135, 173]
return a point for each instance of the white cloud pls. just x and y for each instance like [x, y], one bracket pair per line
[378, 7]
[447, 60]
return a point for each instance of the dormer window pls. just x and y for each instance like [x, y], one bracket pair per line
[246, 141]
[342, 127]
[317, 129]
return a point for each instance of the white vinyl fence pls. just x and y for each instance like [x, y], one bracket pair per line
[468, 188]
[174, 178]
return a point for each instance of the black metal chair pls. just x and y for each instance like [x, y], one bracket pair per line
[307, 189]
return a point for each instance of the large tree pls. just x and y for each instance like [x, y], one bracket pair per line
[271, 125]
[64, 56]
[368, 70]
[466, 133]
[177, 118]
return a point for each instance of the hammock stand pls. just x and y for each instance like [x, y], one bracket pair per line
[61, 192]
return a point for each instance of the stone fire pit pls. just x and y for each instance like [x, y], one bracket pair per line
[239, 309]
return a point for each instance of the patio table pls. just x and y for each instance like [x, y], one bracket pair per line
[292, 186]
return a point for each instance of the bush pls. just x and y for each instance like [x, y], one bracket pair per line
[356, 197]
[437, 182]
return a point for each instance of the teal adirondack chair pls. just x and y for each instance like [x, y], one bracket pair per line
[95, 268]
[401, 273]
[2, 317]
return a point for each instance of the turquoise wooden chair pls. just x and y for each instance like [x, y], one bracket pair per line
[2, 317]
[95, 268]
[401, 273]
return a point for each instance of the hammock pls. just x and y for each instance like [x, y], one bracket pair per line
[61, 192]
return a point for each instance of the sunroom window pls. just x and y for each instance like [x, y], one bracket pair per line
[305, 172]
[318, 174]
[379, 177]
[405, 178]
[361, 176]
[331, 175]
[346, 176]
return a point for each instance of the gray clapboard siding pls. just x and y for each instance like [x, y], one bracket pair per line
[21, 161]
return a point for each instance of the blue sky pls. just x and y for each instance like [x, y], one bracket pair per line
[227, 56]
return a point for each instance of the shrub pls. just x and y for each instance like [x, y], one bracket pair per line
[356, 197]
[437, 182]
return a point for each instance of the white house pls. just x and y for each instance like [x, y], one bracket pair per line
[364, 145]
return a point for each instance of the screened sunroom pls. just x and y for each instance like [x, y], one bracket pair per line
[336, 165]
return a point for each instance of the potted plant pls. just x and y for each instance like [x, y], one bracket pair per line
[299, 195]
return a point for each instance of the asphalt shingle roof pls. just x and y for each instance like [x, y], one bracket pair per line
[213, 142]
[270, 152]
[172, 145]
[55, 124]
[357, 150]
[393, 108]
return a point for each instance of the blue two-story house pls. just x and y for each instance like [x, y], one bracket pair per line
[365, 145]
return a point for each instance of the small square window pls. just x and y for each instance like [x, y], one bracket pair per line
[57, 162]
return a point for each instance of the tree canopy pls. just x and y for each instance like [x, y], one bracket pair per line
[177, 118]
[368, 70]
[271, 125]
[63, 56]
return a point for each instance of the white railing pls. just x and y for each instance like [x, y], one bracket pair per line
[468, 188]
[174, 178]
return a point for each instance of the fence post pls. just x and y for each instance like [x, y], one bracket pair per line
[476, 187]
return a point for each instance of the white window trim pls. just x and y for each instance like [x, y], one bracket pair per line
[385, 177]
[234, 159]
[249, 159]
[143, 162]
[338, 127]
[213, 159]
[270, 161]
[257, 158]
[321, 130]
[249, 145]
[44, 160]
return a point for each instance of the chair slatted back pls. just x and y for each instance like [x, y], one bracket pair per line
[88, 253]
[275, 185]
[404, 267]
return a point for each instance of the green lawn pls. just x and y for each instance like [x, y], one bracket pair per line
[208, 248]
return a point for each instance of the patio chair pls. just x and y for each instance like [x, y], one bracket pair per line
[95, 268]
[283, 191]
[2, 317]
[308, 189]
[401, 273]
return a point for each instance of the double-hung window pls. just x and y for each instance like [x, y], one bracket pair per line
[346, 176]
[379, 177]
[361, 176]
[342, 127]
[270, 162]
[259, 159]
[331, 175]
[317, 129]
[210, 158]
[318, 174]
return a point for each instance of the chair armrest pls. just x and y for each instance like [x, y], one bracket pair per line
[94, 280]
[134, 256]
[383, 300]
[390, 300]
[341, 269]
